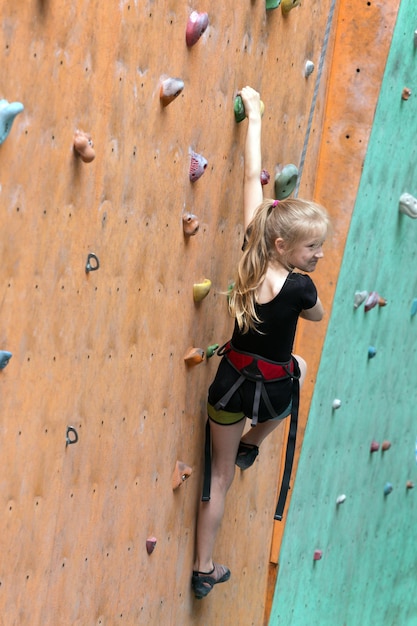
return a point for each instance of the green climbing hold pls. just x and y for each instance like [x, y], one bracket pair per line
[285, 181]
[272, 4]
[239, 109]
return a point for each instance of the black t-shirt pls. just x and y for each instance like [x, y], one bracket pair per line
[279, 320]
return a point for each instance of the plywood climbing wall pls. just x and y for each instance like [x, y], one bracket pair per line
[98, 355]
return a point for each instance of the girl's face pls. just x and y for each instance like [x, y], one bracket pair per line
[304, 255]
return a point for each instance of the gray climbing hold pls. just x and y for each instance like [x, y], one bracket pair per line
[285, 181]
[408, 205]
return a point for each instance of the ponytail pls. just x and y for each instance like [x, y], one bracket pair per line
[251, 271]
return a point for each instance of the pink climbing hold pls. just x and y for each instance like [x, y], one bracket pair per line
[265, 177]
[371, 301]
[374, 446]
[150, 544]
[317, 555]
[196, 26]
[197, 166]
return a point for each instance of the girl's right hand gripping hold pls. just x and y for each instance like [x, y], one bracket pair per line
[252, 187]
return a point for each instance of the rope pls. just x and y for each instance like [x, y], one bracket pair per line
[315, 93]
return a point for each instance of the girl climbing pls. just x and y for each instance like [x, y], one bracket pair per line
[258, 377]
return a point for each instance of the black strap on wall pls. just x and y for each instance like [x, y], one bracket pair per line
[289, 456]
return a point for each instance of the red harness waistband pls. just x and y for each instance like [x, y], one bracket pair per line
[268, 369]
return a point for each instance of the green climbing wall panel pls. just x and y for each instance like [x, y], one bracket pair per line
[367, 572]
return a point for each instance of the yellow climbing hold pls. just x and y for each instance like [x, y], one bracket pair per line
[200, 290]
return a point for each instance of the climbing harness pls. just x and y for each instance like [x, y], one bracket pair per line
[260, 371]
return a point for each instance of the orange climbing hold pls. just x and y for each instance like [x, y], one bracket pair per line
[190, 224]
[170, 89]
[194, 356]
[83, 146]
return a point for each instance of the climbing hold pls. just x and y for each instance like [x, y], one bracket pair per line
[415, 38]
[197, 166]
[239, 109]
[8, 111]
[408, 205]
[170, 89]
[374, 446]
[382, 301]
[371, 352]
[4, 358]
[272, 4]
[409, 484]
[336, 404]
[265, 177]
[406, 93]
[180, 474]
[288, 5]
[193, 356]
[308, 68]
[92, 267]
[196, 26]
[413, 307]
[385, 445]
[201, 290]
[317, 555]
[71, 436]
[340, 499]
[285, 181]
[150, 544]
[211, 350]
[371, 301]
[360, 296]
[190, 224]
[83, 146]
[388, 488]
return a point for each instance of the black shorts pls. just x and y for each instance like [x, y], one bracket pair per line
[241, 403]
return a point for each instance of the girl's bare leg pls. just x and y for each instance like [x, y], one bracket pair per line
[225, 442]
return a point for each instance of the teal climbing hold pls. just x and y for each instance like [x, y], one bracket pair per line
[8, 111]
[387, 488]
[285, 181]
[413, 307]
[4, 358]
[272, 4]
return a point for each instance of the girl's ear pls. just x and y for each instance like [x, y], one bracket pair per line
[280, 245]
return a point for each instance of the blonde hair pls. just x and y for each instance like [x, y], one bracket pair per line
[292, 220]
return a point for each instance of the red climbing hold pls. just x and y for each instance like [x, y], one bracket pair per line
[196, 25]
[150, 545]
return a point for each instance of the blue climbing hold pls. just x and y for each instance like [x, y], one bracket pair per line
[371, 352]
[8, 111]
[4, 358]
[387, 489]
